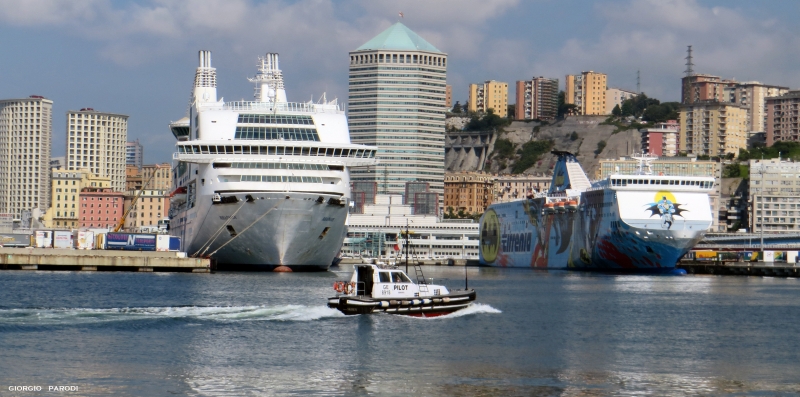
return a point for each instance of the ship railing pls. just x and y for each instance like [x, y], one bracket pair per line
[281, 107]
[213, 158]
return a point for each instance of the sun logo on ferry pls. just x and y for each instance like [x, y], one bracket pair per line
[490, 236]
[664, 205]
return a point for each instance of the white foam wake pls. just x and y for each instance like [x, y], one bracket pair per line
[474, 308]
[214, 313]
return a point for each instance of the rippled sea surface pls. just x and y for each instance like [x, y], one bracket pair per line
[532, 333]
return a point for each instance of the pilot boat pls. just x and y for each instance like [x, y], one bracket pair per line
[376, 289]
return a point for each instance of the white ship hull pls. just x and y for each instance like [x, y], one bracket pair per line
[298, 232]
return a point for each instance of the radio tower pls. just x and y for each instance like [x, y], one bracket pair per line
[689, 65]
[638, 83]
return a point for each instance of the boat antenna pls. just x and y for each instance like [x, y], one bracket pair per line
[406, 245]
[466, 278]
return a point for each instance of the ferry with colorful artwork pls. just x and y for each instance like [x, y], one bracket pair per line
[641, 223]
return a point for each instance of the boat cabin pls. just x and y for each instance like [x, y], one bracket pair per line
[384, 282]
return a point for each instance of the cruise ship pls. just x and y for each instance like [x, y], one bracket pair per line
[641, 223]
[262, 184]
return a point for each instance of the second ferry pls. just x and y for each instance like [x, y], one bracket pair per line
[640, 223]
[262, 184]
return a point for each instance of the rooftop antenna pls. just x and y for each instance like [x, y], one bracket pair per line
[689, 65]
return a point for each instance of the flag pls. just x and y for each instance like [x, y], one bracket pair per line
[401, 14]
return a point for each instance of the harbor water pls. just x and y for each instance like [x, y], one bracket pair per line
[533, 333]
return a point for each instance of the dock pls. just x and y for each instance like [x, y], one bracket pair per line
[769, 269]
[100, 260]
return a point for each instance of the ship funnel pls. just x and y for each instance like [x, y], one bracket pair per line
[205, 79]
[269, 80]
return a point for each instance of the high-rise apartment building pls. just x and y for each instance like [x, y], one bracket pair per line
[537, 99]
[615, 97]
[587, 91]
[489, 95]
[96, 141]
[782, 114]
[26, 126]
[397, 96]
[134, 153]
[713, 128]
[753, 95]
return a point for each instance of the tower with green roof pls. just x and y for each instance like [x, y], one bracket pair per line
[397, 103]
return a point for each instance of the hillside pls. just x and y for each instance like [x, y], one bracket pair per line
[584, 142]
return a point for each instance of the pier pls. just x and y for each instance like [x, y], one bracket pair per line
[770, 269]
[100, 260]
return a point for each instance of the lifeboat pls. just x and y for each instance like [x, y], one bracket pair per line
[382, 289]
[549, 208]
[572, 205]
[561, 206]
[178, 196]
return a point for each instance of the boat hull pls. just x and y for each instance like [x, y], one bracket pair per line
[301, 231]
[416, 307]
[605, 233]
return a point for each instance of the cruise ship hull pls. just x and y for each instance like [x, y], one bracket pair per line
[301, 231]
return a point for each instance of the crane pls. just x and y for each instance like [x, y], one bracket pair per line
[135, 199]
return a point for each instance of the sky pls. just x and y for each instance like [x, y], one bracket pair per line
[138, 57]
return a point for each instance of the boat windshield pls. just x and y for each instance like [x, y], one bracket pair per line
[384, 277]
[398, 277]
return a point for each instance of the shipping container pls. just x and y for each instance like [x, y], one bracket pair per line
[15, 240]
[44, 239]
[62, 239]
[705, 255]
[769, 256]
[791, 257]
[729, 256]
[84, 240]
[175, 243]
[162, 242]
[751, 256]
[130, 241]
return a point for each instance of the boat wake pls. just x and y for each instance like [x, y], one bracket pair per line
[474, 308]
[61, 316]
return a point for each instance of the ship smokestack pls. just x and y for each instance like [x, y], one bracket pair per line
[205, 79]
[269, 80]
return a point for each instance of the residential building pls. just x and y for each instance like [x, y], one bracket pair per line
[675, 166]
[704, 87]
[489, 95]
[101, 207]
[467, 192]
[133, 178]
[774, 195]
[661, 140]
[407, 121]
[96, 141]
[514, 187]
[151, 207]
[448, 97]
[587, 91]
[162, 180]
[753, 95]
[134, 153]
[66, 187]
[782, 118]
[26, 126]
[713, 128]
[537, 99]
[615, 97]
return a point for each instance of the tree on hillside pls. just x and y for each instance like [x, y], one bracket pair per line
[511, 112]
[457, 108]
[616, 111]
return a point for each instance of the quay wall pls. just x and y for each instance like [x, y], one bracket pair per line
[96, 260]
